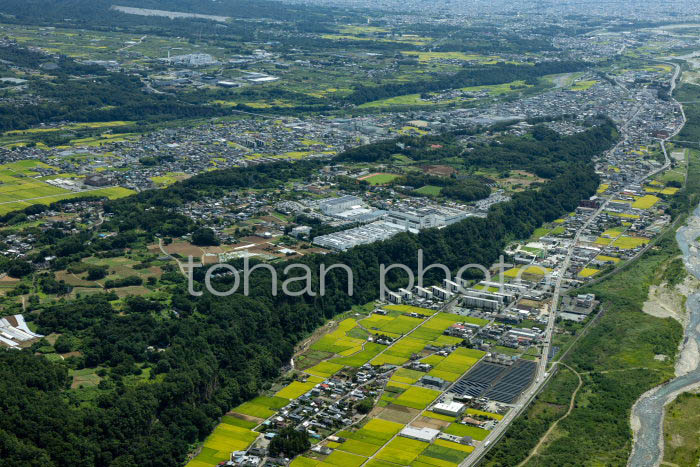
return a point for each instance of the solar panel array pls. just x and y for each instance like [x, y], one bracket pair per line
[497, 382]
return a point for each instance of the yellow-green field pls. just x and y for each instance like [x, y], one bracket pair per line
[455, 364]
[402, 451]
[218, 446]
[607, 258]
[410, 309]
[583, 85]
[588, 272]
[73, 126]
[428, 56]
[261, 407]
[626, 243]
[530, 270]
[645, 202]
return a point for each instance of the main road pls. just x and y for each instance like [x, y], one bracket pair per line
[541, 376]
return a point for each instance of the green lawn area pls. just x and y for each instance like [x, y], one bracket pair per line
[540, 232]
[429, 190]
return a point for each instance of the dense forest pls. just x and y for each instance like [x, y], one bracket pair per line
[470, 76]
[106, 97]
[544, 151]
[206, 354]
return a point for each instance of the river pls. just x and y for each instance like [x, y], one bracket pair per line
[648, 411]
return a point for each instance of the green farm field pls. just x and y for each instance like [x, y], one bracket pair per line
[379, 178]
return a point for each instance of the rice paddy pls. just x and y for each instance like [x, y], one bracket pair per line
[456, 364]
[530, 270]
[261, 407]
[646, 202]
[410, 309]
[417, 397]
[588, 272]
[218, 446]
[401, 401]
[627, 243]
[21, 185]
[607, 258]
[459, 429]
[296, 389]
[324, 369]
[402, 451]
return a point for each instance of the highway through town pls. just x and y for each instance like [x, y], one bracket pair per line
[541, 376]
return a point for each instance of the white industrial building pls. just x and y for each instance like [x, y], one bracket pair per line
[362, 235]
[193, 60]
[14, 331]
[453, 409]
[421, 434]
[483, 299]
[425, 218]
[335, 206]
[478, 302]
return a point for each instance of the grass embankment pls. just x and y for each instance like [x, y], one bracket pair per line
[691, 131]
[682, 431]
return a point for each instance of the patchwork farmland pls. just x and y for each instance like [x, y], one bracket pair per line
[21, 185]
[399, 358]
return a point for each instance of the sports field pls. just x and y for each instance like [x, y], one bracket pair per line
[379, 178]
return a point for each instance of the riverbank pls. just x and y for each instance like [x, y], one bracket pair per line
[647, 413]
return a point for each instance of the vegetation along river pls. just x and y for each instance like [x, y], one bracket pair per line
[647, 414]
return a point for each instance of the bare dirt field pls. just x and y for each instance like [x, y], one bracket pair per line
[427, 422]
[398, 414]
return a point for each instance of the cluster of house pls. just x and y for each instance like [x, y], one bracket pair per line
[328, 405]
[17, 243]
